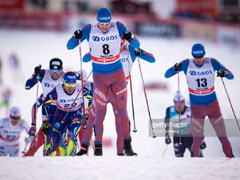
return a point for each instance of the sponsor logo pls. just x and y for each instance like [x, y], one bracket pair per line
[104, 18]
[96, 38]
[108, 38]
[56, 63]
[197, 52]
[193, 73]
[200, 73]
[69, 100]
[106, 56]
[124, 60]
[100, 94]
[70, 105]
[49, 85]
[62, 100]
[71, 77]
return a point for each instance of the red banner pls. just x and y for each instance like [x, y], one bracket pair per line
[11, 5]
[38, 20]
[198, 7]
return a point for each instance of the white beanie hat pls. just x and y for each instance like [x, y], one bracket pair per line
[178, 96]
[15, 111]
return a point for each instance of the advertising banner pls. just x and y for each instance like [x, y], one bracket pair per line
[228, 35]
[158, 29]
[198, 30]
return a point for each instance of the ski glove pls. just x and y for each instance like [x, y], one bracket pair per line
[168, 140]
[203, 145]
[37, 70]
[177, 66]
[138, 52]
[78, 76]
[128, 36]
[221, 73]
[85, 122]
[32, 130]
[29, 139]
[45, 127]
[78, 34]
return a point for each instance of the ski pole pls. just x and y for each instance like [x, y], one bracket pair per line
[180, 137]
[133, 112]
[88, 76]
[230, 104]
[164, 151]
[36, 107]
[134, 122]
[26, 145]
[84, 115]
[144, 89]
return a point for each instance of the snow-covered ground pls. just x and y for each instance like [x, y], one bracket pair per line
[35, 47]
[119, 168]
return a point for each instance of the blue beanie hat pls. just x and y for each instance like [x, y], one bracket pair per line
[104, 15]
[70, 78]
[198, 50]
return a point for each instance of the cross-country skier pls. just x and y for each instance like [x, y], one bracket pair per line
[15, 67]
[65, 112]
[182, 137]
[10, 131]
[128, 56]
[6, 97]
[104, 38]
[49, 78]
[200, 74]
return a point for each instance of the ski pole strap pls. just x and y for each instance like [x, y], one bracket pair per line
[83, 148]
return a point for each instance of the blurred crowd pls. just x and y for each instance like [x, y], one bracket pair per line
[213, 10]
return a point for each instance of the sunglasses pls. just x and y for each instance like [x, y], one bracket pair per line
[180, 102]
[15, 117]
[104, 23]
[70, 84]
[198, 57]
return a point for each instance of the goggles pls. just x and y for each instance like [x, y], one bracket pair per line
[70, 84]
[179, 103]
[55, 70]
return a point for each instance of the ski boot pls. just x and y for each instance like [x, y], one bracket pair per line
[84, 150]
[98, 150]
[200, 154]
[120, 154]
[128, 148]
